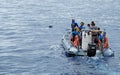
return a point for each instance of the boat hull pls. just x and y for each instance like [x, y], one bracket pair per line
[70, 50]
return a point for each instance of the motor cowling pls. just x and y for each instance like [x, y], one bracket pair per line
[91, 51]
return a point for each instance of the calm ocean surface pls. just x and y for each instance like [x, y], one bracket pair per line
[29, 47]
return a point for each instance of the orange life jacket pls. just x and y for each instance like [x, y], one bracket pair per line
[76, 41]
[106, 45]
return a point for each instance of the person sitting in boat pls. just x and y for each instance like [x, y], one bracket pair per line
[73, 24]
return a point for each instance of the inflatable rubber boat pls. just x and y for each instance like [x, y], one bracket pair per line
[87, 47]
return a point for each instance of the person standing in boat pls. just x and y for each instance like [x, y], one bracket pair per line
[74, 33]
[75, 38]
[93, 27]
[96, 36]
[81, 26]
[73, 24]
[79, 35]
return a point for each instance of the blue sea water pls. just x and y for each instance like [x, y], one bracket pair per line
[29, 47]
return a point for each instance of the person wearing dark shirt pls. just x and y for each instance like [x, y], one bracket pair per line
[73, 24]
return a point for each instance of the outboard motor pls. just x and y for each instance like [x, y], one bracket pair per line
[91, 50]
